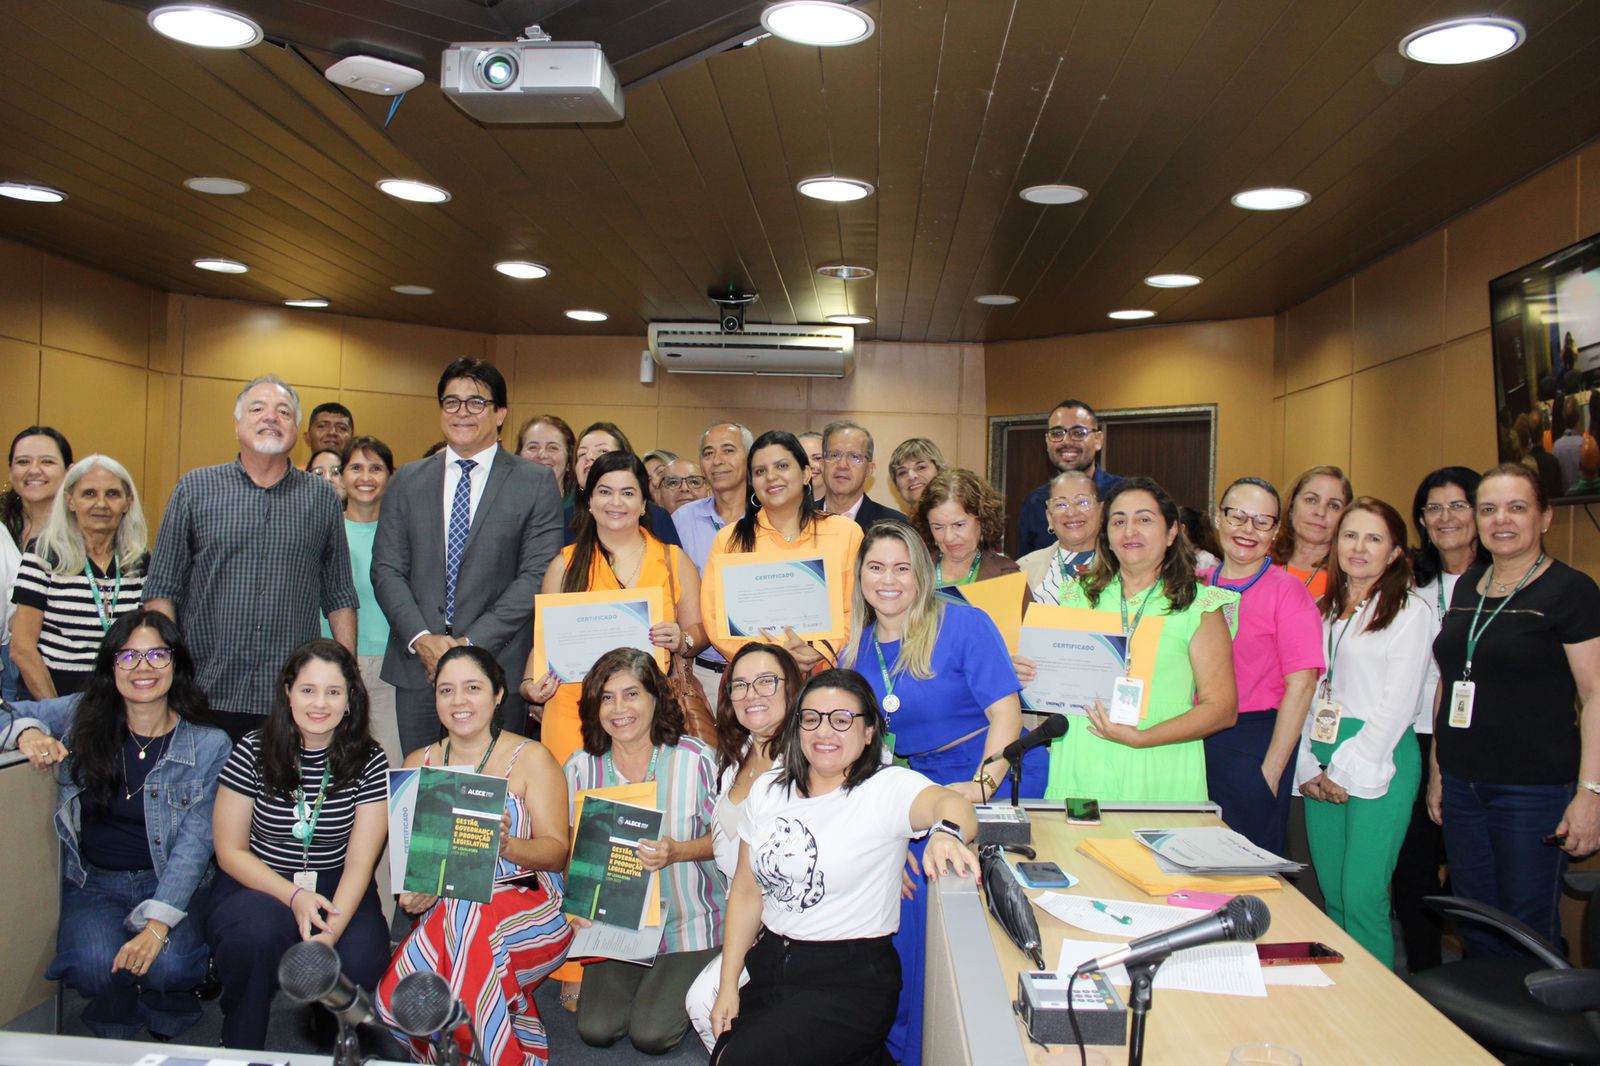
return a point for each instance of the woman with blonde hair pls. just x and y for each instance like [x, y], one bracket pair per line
[1317, 499]
[85, 570]
[914, 463]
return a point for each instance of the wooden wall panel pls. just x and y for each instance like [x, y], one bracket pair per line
[1399, 303]
[710, 393]
[896, 377]
[21, 286]
[205, 422]
[107, 417]
[549, 371]
[395, 357]
[240, 341]
[407, 424]
[1589, 190]
[1317, 336]
[94, 313]
[1392, 416]
[1317, 428]
[1466, 396]
[19, 369]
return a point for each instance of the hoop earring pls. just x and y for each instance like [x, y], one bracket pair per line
[754, 502]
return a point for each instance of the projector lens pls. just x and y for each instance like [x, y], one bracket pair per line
[499, 70]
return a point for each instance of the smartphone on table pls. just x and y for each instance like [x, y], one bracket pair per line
[1297, 953]
[1043, 875]
[1081, 811]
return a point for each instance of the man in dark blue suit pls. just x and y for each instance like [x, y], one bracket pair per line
[1073, 439]
[846, 466]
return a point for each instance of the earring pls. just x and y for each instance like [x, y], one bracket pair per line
[753, 501]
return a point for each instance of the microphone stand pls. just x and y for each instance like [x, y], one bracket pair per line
[1142, 975]
[347, 1045]
[1015, 773]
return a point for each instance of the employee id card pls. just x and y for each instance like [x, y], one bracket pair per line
[1461, 696]
[306, 879]
[1325, 721]
[1127, 697]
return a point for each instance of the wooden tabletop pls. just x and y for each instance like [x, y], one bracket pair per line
[1369, 1015]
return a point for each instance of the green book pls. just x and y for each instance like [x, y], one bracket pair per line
[606, 882]
[455, 834]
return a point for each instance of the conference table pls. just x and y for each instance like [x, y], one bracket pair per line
[1369, 1015]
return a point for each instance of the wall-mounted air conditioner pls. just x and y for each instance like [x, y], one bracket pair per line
[782, 351]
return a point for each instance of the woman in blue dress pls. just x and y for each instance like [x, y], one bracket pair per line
[945, 681]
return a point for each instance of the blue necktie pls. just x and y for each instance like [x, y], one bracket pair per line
[456, 537]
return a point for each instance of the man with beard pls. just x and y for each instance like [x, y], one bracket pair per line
[250, 556]
[1073, 440]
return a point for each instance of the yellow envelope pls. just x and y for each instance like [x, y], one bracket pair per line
[839, 622]
[1136, 864]
[1084, 620]
[642, 794]
[651, 596]
[1001, 599]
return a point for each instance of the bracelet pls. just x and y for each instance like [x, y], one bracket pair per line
[158, 936]
[1590, 786]
[986, 785]
[292, 895]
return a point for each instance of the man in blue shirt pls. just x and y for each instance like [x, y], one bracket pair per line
[1073, 440]
[724, 449]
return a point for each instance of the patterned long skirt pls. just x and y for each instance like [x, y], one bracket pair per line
[494, 955]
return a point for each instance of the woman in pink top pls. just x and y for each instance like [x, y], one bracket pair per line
[1277, 658]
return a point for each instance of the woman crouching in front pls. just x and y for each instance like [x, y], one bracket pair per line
[493, 955]
[816, 899]
[300, 822]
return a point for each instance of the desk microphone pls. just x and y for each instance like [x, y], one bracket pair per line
[1244, 918]
[1053, 728]
[424, 1007]
[310, 973]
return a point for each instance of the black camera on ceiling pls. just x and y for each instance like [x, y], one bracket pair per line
[733, 303]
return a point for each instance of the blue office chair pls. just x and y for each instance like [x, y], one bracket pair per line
[1539, 1007]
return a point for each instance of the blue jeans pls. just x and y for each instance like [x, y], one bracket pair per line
[91, 934]
[11, 689]
[1491, 840]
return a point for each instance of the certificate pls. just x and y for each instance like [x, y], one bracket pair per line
[573, 629]
[998, 597]
[1079, 654]
[770, 590]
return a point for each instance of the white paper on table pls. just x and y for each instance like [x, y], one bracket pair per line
[1147, 917]
[1302, 976]
[1229, 968]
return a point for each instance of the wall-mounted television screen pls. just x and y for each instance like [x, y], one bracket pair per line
[1546, 334]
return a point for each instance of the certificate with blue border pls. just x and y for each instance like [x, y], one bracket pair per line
[573, 629]
[1074, 668]
[768, 591]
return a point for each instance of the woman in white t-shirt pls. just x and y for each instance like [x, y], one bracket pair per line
[816, 897]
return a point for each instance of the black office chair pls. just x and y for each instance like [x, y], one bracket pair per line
[1540, 1007]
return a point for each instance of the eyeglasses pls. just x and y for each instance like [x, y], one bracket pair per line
[1057, 434]
[694, 481]
[130, 658]
[475, 405]
[853, 458]
[1455, 507]
[841, 720]
[1077, 503]
[1238, 517]
[763, 684]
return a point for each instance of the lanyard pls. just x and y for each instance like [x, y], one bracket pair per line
[1441, 596]
[1474, 630]
[889, 698]
[972, 572]
[1334, 645]
[649, 774]
[1068, 562]
[94, 587]
[1311, 576]
[1216, 578]
[1128, 630]
[481, 762]
[309, 818]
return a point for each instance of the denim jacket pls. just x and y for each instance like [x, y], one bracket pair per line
[178, 797]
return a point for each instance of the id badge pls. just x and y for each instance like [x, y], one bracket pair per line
[1461, 696]
[1325, 722]
[306, 879]
[888, 741]
[1127, 697]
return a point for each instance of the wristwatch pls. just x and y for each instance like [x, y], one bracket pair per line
[945, 825]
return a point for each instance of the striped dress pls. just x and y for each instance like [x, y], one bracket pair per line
[494, 956]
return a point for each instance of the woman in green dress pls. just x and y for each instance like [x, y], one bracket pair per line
[1144, 572]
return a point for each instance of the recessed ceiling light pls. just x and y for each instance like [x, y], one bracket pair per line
[850, 320]
[205, 26]
[1172, 281]
[33, 194]
[411, 290]
[222, 266]
[1463, 40]
[419, 192]
[996, 299]
[521, 268]
[835, 190]
[216, 186]
[1053, 194]
[845, 271]
[1130, 316]
[588, 316]
[1271, 198]
[817, 22]
[306, 301]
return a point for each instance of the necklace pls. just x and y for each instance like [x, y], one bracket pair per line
[1501, 586]
[146, 746]
[129, 793]
[634, 565]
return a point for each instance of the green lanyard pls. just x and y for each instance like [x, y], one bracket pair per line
[1334, 645]
[1128, 630]
[649, 774]
[481, 762]
[891, 702]
[94, 587]
[972, 572]
[305, 827]
[1474, 630]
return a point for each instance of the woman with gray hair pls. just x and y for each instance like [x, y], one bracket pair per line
[86, 570]
[1072, 510]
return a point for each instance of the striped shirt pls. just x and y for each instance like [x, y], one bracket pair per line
[71, 631]
[272, 820]
[686, 790]
[251, 570]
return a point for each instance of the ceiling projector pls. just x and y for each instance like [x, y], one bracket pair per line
[531, 81]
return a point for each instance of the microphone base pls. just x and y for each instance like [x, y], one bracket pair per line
[347, 1045]
[1001, 824]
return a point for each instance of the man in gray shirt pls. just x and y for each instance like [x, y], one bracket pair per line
[250, 555]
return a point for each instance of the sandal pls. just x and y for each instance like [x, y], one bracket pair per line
[569, 995]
